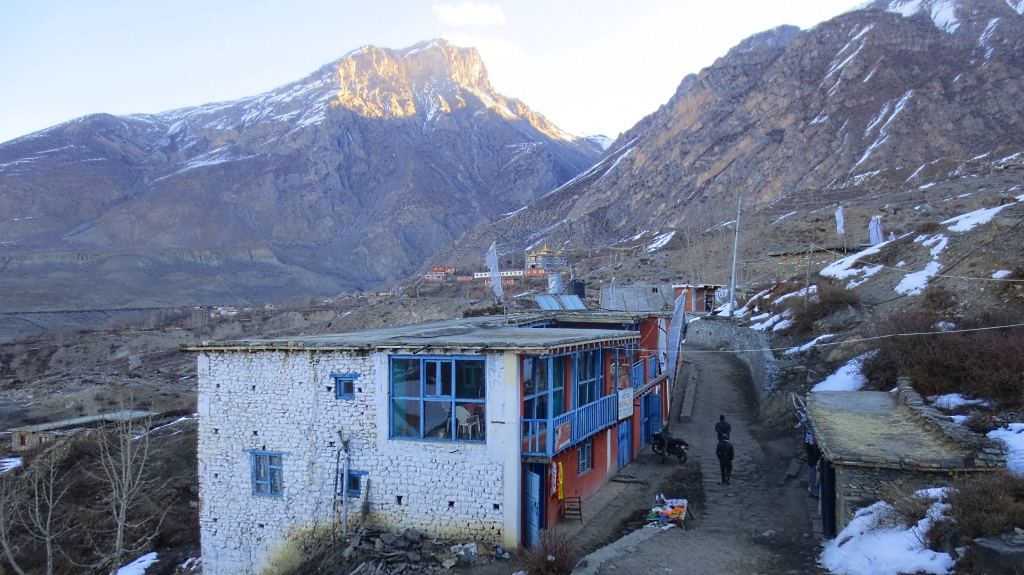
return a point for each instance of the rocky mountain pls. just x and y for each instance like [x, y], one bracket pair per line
[347, 178]
[886, 98]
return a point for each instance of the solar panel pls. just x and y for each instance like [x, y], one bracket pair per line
[548, 303]
[572, 302]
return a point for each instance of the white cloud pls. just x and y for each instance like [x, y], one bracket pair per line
[491, 48]
[469, 14]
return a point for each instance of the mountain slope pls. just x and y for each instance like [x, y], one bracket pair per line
[890, 96]
[346, 178]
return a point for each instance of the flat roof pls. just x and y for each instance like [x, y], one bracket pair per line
[479, 334]
[874, 428]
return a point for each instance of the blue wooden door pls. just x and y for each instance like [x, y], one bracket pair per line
[531, 528]
[625, 442]
[645, 421]
[655, 411]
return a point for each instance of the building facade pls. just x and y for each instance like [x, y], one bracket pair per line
[463, 430]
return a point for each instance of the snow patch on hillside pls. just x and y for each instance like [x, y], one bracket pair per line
[943, 12]
[846, 378]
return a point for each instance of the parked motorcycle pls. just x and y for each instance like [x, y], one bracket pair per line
[664, 444]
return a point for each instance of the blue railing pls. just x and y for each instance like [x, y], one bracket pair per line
[538, 435]
[636, 375]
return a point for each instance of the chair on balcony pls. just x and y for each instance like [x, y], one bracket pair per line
[572, 508]
[468, 423]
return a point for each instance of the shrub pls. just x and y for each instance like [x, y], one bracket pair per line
[908, 506]
[555, 555]
[983, 364]
[830, 297]
[928, 227]
[482, 311]
[982, 505]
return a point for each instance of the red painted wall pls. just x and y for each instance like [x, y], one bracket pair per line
[574, 484]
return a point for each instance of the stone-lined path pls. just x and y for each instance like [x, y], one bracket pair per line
[758, 524]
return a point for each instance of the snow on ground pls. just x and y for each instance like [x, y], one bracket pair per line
[870, 545]
[772, 321]
[9, 463]
[1001, 274]
[1013, 436]
[800, 292]
[953, 400]
[843, 268]
[138, 567]
[912, 284]
[970, 220]
[809, 344]
[660, 241]
[846, 378]
[782, 325]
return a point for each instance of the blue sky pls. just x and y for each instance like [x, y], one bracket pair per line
[595, 66]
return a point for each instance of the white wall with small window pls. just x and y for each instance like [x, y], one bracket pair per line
[433, 444]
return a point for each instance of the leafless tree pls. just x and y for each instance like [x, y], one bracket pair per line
[45, 519]
[8, 519]
[123, 458]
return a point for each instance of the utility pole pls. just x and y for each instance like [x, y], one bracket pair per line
[735, 249]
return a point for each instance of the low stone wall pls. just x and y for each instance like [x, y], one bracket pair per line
[750, 346]
[858, 487]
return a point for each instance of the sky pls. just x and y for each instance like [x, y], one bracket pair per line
[590, 66]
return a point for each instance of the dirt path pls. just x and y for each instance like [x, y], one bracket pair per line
[758, 524]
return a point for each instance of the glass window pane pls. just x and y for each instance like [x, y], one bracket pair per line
[542, 374]
[558, 402]
[470, 420]
[261, 467]
[262, 488]
[405, 378]
[446, 378]
[558, 372]
[528, 387]
[275, 481]
[542, 406]
[469, 380]
[431, 379]
[353, 483]
[436, 420]
[348, 386]
[275, 460]
[530, 409]
[405, 418]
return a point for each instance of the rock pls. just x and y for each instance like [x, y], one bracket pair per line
[413, 556]
[428, 546]
[378, 544]
[387, 538]
[998, 555]
[442, 557]
[449, 563]
[412, 535]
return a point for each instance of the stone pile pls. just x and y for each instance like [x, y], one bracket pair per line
[410, 553]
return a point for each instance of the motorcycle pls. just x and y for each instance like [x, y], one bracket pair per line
[664, 444]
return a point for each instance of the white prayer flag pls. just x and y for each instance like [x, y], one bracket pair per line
[875, 230]
[492, 266]
[839, 222]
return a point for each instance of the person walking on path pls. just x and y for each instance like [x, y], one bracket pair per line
[724, 451]
[722, 428]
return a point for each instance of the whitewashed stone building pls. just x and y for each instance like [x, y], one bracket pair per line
[427, 419]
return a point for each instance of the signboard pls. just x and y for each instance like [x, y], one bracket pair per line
[626, 403]
[563, 436]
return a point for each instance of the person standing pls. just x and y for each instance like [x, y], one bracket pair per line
[722, 428]
[724, 451]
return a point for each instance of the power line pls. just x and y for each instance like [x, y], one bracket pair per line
[877, 337]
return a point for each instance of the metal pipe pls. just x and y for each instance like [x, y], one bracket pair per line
[735, 250]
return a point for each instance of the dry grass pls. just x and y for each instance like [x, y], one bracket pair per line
[908, 506]
[555, 555]
[982, 505]
[983, 364]
[830, 297]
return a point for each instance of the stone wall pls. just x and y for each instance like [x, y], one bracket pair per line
[751, 348]
[284, 401]
[858, 487]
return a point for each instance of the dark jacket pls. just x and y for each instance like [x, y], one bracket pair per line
[724, 450]
[723, 428]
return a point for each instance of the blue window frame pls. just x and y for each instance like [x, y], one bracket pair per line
[355, 482]
[544, 386]
[438, 398]
[588, 377]
[344, 385]
[267, 471]
[586, 456]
